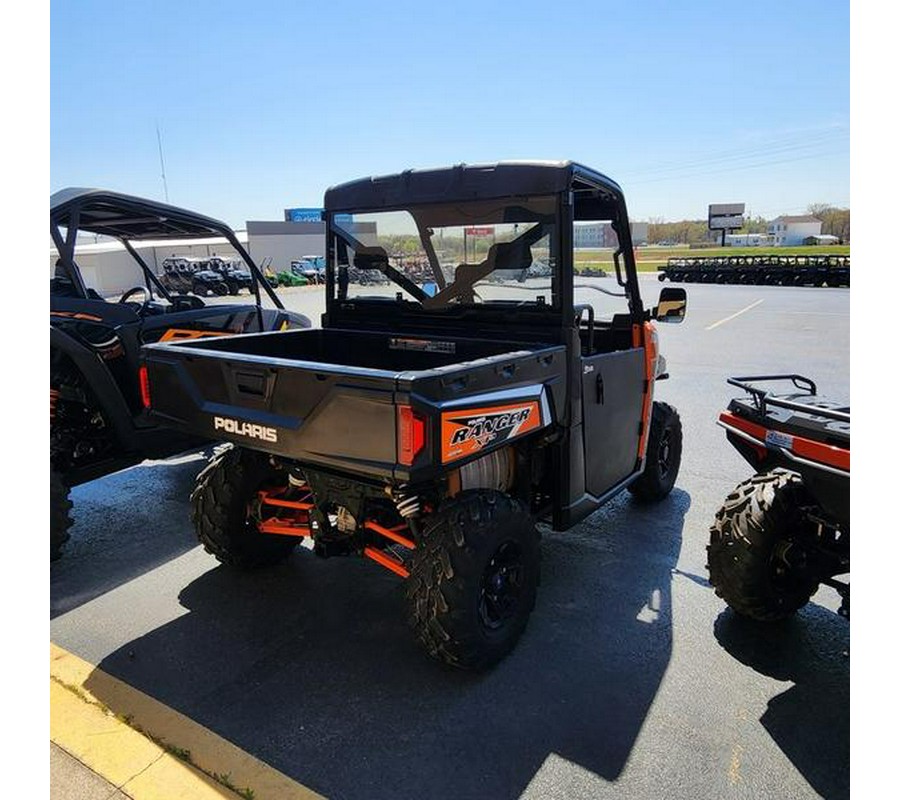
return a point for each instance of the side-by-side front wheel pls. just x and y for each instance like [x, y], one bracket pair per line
[757, 562]
[473, 579]
[225, 514]
[663, 455]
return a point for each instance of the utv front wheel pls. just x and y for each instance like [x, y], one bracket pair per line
[663, 455]
[225, 514]
[756, 553]
[60, 521]
[474, 578]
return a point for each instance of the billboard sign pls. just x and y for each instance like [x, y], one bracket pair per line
[726, 216]
[480, 231]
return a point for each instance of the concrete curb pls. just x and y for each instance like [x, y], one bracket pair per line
[146, 749]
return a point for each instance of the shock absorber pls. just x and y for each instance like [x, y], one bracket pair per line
[407, 503]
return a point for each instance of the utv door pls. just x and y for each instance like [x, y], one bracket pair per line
[612, 386]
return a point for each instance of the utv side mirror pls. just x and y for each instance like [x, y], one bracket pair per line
[672, 305]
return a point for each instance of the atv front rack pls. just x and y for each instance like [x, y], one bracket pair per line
[763, 398]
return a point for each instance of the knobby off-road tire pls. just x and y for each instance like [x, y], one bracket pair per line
[60, 521]
[760, 519]
[222, 515]
[663, 455]
[473, 580]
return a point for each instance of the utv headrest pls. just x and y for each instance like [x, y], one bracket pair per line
[510, 255]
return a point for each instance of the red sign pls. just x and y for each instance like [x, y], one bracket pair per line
[489, 231]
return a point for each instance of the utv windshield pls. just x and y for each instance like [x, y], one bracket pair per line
[499, 253]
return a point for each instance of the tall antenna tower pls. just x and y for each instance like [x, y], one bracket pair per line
[162, 164]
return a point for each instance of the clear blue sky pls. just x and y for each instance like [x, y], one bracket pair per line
[261, 106]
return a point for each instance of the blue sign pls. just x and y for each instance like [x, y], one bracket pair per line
[314, 215]
[303, 214]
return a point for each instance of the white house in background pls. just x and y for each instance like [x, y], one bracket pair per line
[789, 231]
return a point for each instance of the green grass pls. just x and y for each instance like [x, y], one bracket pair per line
[650, 259]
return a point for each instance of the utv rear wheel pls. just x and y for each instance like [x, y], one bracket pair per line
[225, 514]
[663, 455]
[473, 580]
[60, 521]
[756, 556]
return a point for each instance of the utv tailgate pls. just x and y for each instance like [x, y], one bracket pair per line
[331, 414]
[245, 389]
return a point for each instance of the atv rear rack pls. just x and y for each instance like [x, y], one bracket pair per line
[763, 398]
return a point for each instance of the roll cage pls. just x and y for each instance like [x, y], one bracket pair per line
[131, 219]
[582, 195]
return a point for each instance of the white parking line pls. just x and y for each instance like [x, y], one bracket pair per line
[736, 314]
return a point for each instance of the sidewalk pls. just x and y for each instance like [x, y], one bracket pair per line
[72, 780]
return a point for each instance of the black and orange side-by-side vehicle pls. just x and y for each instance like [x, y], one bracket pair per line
[443, 410]
[786, 530]
[98, 424]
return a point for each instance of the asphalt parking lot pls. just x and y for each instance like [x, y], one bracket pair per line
[632, 680]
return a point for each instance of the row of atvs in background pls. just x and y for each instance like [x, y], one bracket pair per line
[766, 269]
[219, 276]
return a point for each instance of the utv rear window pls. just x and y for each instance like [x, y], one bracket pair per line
[441, 256]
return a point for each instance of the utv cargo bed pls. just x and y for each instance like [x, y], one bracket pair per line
[335, 397]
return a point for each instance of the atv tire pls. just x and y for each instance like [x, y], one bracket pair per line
[473, 579]
[760, 521]
[663, 455]
[222, 513]
[60, 521]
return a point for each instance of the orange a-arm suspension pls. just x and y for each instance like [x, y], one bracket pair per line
[294, 521]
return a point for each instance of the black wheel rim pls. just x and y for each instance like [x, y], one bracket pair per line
[788, 567]
[664, 454]
[501, 586]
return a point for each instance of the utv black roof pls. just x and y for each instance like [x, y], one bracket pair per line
[468, 182]
[122, 216]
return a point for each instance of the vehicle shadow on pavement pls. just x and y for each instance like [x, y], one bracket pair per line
[114, 540]
[810, 722]
[309, 667]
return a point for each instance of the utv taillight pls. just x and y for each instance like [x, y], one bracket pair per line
[410, 434]
[145, 385]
